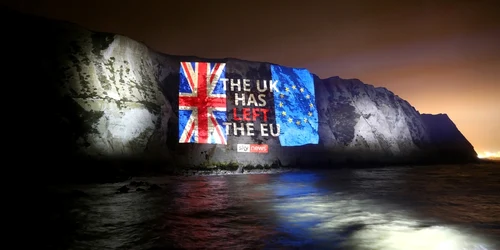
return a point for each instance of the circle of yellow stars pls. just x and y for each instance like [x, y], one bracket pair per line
[283, 113]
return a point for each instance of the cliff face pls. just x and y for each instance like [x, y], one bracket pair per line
[448, 143]
[98, 95]
[90, 93]
[368, 122]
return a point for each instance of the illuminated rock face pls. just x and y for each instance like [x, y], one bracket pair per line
[102, 95]
[95, 95]
[117, 85]
[368, 123]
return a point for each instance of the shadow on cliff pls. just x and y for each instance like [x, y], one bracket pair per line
[44, 127]
[449, 145]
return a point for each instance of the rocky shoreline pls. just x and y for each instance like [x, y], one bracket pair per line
[89, 170]
[239, 172]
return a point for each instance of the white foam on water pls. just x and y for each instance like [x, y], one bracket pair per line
[362, 224]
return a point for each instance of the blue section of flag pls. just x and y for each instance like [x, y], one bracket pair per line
[220, 117]
[183, 83]
[183, 120]
[295, 106]
[219, 86]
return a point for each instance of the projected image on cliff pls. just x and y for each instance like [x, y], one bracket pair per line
[202, 103]
[295, 106]
[215, 108]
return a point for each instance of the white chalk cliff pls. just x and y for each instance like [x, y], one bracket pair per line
[100, 95]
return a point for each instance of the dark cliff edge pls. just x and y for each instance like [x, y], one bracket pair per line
[95, 105]
[448, 143]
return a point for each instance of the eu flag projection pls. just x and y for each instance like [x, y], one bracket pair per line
[295, 106]
[202, 103]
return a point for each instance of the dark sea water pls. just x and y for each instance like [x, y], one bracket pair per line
[421, 208]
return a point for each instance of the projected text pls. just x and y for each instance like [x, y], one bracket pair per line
[250, 106]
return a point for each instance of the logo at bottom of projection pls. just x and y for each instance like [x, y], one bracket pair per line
[252, 148]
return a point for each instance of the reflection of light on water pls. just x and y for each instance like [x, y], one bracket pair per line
[207, 216]
[320, 220]
[487, 155]
[398, 237]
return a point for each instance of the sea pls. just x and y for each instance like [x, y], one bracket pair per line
[445, 207]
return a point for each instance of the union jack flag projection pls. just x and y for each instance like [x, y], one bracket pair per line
[202, 103]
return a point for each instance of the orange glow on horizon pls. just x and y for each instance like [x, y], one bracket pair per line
[489, 155]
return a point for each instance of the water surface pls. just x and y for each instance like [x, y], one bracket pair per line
[439, 207]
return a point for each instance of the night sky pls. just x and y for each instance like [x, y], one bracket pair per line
[441, 56]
